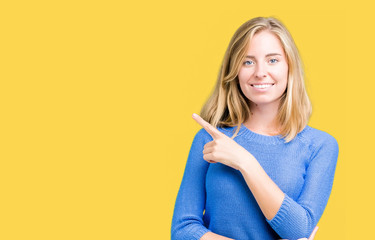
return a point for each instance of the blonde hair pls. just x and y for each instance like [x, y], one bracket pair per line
[228, 106]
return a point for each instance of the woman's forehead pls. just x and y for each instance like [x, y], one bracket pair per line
[264, 43]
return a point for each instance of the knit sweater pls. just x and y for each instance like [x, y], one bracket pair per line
[215, 197]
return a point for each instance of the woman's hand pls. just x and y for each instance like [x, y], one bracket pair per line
[222, 149]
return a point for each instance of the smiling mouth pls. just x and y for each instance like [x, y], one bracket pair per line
[266, 85]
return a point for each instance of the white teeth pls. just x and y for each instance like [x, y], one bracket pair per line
[262, 86]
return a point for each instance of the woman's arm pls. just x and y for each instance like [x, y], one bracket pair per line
[295, 218]
[187, 221]
[267, 194]
[309, 206]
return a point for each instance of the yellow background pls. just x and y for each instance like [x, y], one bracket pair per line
[96, 100]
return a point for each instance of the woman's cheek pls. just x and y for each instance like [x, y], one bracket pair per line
[241, 74]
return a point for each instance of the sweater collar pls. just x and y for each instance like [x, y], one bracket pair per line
[259, 138]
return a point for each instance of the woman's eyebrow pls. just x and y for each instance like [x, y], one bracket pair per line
[269, 54]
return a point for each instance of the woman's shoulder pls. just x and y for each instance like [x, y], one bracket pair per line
[202, 133]
[316, 137]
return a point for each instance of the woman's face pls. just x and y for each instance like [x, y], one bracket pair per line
[263, 75]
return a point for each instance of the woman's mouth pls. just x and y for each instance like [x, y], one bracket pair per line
[262, 86]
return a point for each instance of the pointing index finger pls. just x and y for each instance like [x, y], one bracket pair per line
[208, 127]
[313, 233]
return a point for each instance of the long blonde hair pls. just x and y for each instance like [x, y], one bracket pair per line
[228, 106]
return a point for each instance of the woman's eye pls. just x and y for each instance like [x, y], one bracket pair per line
[273, 60]
[248, 62]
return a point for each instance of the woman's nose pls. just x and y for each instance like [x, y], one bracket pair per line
[260, 71]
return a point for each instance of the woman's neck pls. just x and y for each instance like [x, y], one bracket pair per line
[263, 119]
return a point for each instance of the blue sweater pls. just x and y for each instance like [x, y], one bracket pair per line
[215, 197]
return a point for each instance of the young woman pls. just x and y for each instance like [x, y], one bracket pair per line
[256, 170]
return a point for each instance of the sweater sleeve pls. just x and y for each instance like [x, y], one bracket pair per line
[296, 219]
[187, 221]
